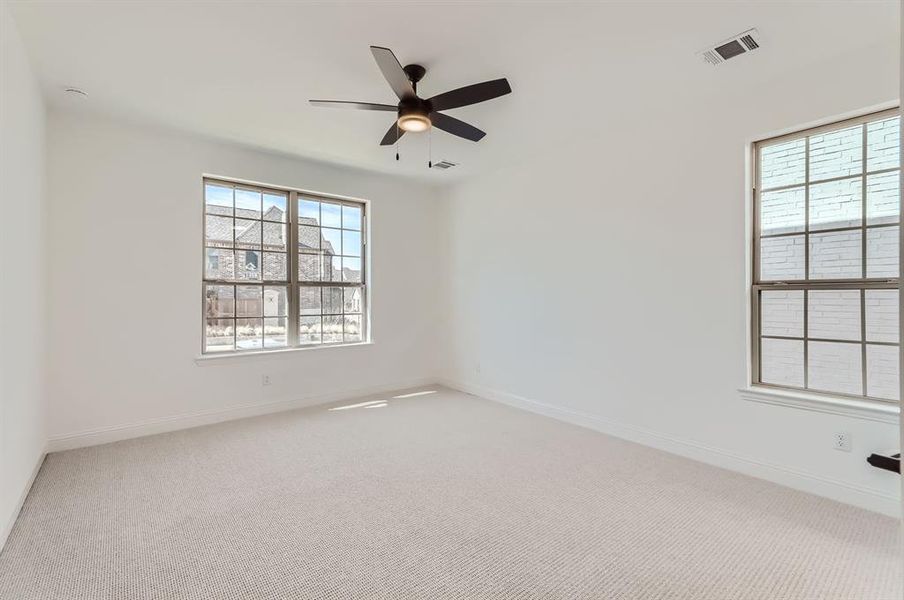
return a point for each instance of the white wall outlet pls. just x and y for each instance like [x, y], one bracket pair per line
[842, 441]
[265, 380]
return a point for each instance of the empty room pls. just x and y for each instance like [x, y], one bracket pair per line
[450, 299]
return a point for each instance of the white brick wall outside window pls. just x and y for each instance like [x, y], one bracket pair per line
[825, 286]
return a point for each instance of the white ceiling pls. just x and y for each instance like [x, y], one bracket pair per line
[243, 71]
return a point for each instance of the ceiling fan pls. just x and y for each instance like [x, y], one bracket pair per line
[417, 114]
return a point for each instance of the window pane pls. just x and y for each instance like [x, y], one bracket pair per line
[248, 300]
[882, 252]
[351, 243]
[837, 153]
[782, 211]
[276, 301]
[309, 300]
[308, 212]
[351, 270]
[834, 314]
[782, 313]
[782, 362]
[218, 335]
[836, 204]
[332, 241]
[782, 258]
[882, 199]
[308, 237]
[218, 231]
[247, 265]
[836, 255]
[353, 300]
[883, 140]
[782, 164]
[332, 329]
[275, 207]
[332, 300]
[882, 372]
[247, 234]
[219, 301]
[352, 328]
[332, 268]
[275, 333]
[274, 266]
[220, 264]
[309, 330]
[330, 215]
[835, 367]
[274, 236]
[310, 267]
[217, 199]
[247, 203]
[249, 334]
[882, 316]
[351, 217]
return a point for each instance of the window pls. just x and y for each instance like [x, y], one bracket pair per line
[281, 269]
[825, 259]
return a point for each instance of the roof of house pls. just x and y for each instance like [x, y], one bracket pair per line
[248, 229]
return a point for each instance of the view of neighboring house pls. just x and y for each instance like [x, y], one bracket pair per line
[249, 249]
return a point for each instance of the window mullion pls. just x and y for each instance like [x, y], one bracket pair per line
[806, 210]
[863, 249]
[863, 339]
[806, 339]
[292, 266]
[806, 294]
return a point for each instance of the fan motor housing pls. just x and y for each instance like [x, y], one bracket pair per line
[414, 106]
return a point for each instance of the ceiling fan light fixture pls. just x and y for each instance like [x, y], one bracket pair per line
[414, 123]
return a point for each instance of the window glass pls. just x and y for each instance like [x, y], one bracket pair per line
[261, 293]
[826, 267]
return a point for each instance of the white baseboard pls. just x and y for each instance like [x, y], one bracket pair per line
[8, 526]
[115, 433]
[864, 497]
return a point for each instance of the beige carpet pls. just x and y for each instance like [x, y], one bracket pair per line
[435, 496]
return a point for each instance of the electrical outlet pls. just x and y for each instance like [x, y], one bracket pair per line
[265, 380]
[842, 441]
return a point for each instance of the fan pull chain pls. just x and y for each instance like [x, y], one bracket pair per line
[430, 148]
[397, 141]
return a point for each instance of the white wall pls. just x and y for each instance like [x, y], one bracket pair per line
[22, 273]
[605, 280]
[125, 250]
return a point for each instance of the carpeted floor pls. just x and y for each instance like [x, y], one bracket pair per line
[441, 495]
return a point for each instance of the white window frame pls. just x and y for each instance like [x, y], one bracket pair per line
[293, 283]
[805, 395]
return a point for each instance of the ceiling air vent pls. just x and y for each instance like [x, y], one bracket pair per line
[742, 43]
[444, 164]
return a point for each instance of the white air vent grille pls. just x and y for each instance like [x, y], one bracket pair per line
[742, 43]
[444, 164]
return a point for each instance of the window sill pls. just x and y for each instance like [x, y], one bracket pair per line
[216, 359]
[835, 405]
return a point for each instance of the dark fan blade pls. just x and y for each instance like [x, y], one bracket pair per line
[393, 72]
[471, 94]
[456, 127]
[392, 136]
[357, 105]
